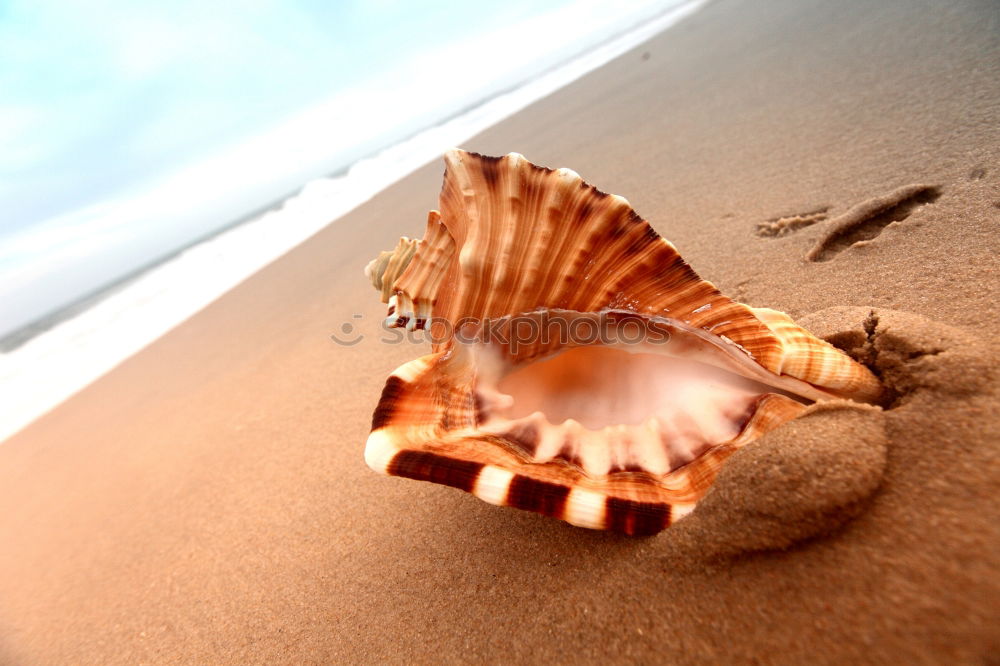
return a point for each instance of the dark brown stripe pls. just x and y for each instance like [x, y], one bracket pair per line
[679, 271]
[538, 496]
[650, 231]
[394, 390]
[490, 169]
[425, 466]
[636, 518]
[543, 169]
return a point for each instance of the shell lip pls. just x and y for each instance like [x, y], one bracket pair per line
[726, 354]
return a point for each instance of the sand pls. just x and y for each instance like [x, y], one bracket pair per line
[207, 501]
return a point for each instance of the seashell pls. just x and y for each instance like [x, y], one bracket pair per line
[387, 266]
[579, 367]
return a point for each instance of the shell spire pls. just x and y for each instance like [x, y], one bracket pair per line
[517, 247]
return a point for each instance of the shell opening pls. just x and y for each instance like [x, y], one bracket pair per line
[643, 406]
[601, 386]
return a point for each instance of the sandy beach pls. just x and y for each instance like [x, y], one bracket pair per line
[207, 501]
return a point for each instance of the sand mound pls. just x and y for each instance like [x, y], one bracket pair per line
[805, 479]
[817, 472]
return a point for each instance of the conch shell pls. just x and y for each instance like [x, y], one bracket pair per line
[533, 396]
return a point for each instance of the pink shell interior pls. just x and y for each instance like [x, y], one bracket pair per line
[607, 409]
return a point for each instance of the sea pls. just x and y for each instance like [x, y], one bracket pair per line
[44, 363]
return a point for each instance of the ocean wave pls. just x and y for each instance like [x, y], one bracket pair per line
[103, 331]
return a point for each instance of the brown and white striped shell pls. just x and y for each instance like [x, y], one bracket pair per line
[597, 430]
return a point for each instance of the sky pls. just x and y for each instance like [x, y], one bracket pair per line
[130, 128]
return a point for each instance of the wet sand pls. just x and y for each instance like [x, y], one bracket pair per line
[207, 501]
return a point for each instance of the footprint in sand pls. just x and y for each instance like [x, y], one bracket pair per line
[865, 221]
[782, 226]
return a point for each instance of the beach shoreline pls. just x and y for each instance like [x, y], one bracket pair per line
[207, 501]
[48, 360]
